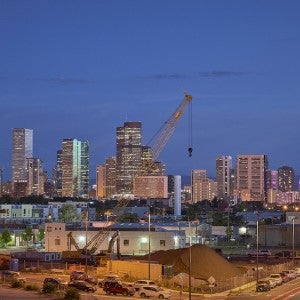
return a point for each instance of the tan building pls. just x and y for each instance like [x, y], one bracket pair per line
[110, 176]
[151, 187]
[251, 174]
[203, 188]
[132, 241]
[100, 181]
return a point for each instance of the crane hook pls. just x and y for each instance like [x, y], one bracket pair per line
[190, 151]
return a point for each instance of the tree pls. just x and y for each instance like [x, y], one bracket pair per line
[27, 235]
[68, 213]
[5, 237]
[128, 218]
[41, 234]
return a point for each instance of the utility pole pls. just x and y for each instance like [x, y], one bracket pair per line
[1, 179]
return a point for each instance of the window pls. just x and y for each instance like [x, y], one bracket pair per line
[57, 242]
[162, 243]
[126, 242]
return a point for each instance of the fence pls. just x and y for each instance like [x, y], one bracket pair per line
[250, 276]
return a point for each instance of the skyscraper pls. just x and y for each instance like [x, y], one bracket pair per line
[251, 176]
[110, 176]
[22, 148]
[286, 179]
[128, 155]
[100, 181]
[75, 174]
[57, 174]
[223, 171]
[35, 178]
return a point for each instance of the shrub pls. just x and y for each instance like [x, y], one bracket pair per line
[17, 284]
[32, 287]
[49, 288]
[72, 294]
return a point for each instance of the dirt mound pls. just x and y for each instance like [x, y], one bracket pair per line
[205, 262]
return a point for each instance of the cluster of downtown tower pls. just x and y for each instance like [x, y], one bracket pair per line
[251, 179]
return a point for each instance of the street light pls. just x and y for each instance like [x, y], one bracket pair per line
[293, 220]
[190, 262]
[257, 251]
[86, 229]
[149, 246]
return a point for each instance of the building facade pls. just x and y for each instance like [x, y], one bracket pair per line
[128, 155]
[203, 188]
[35, 177]
[75, 168]
[110, 177]
[251, 176]
[223, 171]
[286, 179]
[22, 148]
[100, 181]
[150, 187]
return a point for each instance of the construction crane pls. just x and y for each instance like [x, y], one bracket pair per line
[147, 166]
[163, 137]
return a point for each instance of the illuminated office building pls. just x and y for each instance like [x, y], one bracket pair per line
[57, 174]
[128, 155]
[223, 172]
[22, 148]
[35, 177]
[251, 176]
[75, 168]
[100, 181]
[110, 177]
[286, 179]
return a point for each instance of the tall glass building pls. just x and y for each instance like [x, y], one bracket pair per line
[75, 168]
[22, 148]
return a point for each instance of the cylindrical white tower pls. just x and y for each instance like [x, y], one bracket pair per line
[177, 195]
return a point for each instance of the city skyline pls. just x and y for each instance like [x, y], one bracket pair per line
[81, 69]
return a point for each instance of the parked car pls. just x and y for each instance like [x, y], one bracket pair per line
[277, 277]
[81, 275]
[297, 271]
[56, 282]
[260, 253]
[109, 278]
[285, 277]
[139, 283]
[154, 291]
[284, 253]
[114, 288]
[82, 286]
[10, 276]
[263, 286]
[290, 273]
[273, 282]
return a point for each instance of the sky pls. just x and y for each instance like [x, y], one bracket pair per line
[81, 68]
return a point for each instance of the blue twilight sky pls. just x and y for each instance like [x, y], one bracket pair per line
[81, 68]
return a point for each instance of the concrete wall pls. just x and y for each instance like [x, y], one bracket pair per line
[135, 269]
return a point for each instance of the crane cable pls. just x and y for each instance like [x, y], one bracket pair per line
[190, 129]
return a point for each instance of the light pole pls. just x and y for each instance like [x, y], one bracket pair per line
[86, 229]
[257, 251]
[190, 262]
[149, 245]
[293, 220]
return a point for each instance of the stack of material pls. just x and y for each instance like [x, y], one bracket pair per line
[205, 262]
